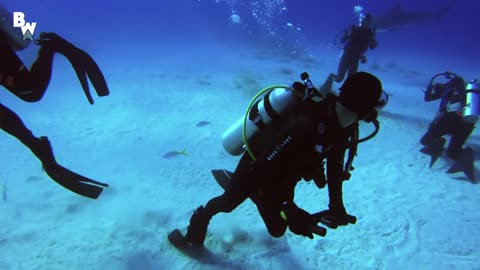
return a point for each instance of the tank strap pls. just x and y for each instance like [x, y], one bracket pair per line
[268, 106]
[255, 116]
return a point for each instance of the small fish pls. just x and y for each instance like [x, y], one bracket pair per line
[172, 154]
[202, 124]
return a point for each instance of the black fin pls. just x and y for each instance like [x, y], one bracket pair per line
[464, 164]
[82, 78]
[222, 177]
[84, 65]
[200, 253]
[94, 74]
[434, 150]
[75, 182]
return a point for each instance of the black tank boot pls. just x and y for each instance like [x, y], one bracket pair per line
[197, 230]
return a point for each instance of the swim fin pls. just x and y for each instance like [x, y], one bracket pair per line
[75, 182]
[178, 240]
[70, 180]
[223, 178]
[464, 164]
[434, 150]
[82, 63]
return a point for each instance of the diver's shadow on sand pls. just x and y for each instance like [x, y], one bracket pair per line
[246, 251]
[207, 257]
[225, 260]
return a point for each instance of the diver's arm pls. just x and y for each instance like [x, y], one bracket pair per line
[434, 92]
[335, 162]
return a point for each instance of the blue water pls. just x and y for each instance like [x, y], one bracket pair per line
[178, 59]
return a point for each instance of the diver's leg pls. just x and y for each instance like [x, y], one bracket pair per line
[459, 137]
[353, 66]
[226, 203]
[235, 195]
[11, 123]
[30, 85]
[342, 67]
[438, 128]
[270, 213]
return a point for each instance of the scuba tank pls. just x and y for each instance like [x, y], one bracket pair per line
[260, 113]
[471, 110]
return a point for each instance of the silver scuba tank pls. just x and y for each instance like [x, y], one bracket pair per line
[258, 116]
[471, 110]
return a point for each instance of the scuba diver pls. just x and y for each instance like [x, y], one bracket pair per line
[30, 85]
[285, 142]
[457, 115]
[356, 41]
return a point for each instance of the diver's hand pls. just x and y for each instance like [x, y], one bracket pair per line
[333, 219]
[300, 222]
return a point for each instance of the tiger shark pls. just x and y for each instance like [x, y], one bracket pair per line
[398, 18]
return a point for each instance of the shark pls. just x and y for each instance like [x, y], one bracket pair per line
[397, 17]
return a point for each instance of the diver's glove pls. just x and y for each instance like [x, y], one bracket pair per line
[334, 218]
[300, 222]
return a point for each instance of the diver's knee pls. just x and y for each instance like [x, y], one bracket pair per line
[29, 96]
[276, 231]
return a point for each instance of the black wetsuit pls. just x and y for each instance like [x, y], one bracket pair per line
[449, 119]
[286, 152]
[357, 40]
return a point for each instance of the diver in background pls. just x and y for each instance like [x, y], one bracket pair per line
[356, 41]
[293, 146]
[455, 117]
[30, 85]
